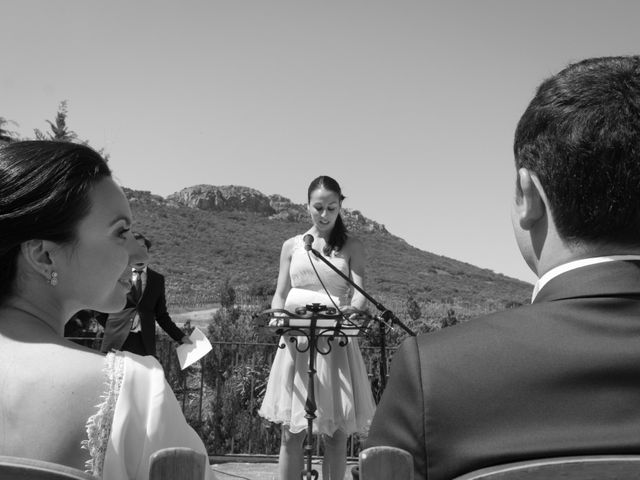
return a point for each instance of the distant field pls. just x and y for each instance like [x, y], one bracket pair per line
[175, 309]
[198, 318]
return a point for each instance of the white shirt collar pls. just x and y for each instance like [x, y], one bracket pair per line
[144, 270]
[567, 267]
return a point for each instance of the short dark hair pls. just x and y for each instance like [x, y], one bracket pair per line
[44, 193]
[581, 136]
[339, 235]
[139, 236]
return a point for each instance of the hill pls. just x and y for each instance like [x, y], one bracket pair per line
[204, 235]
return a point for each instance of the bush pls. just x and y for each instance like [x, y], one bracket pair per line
[226, 294]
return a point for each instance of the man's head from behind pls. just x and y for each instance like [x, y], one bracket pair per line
[580, 139]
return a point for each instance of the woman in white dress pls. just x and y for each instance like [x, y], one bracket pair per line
[343, 396]
[66, 245]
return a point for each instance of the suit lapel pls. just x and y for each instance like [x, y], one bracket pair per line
[131, 301]
[147, 289]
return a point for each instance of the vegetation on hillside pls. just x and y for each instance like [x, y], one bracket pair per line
[199, 249]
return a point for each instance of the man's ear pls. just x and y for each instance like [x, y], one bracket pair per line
[530, 199]
[39, 255]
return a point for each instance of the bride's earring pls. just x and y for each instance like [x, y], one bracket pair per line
[53, 279]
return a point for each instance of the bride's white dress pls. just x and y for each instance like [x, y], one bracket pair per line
[138, 415]
[342, 389]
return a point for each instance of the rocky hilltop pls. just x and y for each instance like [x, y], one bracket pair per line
[229, 198]
[232, 198]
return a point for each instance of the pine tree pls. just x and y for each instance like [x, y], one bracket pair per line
[59, 130]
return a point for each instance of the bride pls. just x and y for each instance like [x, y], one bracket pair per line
[66, 245]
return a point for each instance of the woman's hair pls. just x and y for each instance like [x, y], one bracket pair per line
[44, 193]
[338, 236]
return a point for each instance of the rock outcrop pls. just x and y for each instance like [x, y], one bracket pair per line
[234, 198]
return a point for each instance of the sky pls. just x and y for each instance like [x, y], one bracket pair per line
[410, 105]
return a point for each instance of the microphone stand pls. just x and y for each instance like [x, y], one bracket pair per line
[386, 316]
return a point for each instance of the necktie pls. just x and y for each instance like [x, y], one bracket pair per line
[137, 285]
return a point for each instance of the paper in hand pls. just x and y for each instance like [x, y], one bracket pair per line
[189, 354]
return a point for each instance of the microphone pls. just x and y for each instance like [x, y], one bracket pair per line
[308, 241]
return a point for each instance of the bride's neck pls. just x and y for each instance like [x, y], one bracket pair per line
[32, 316]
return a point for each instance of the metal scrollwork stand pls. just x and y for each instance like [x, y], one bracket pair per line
[313, 322]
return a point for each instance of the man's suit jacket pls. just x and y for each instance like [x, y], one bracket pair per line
[558, 377]
[151, 307]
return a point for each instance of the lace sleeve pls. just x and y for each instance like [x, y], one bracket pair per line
[99, 424]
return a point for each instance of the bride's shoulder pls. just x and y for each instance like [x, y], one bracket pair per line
[77, 371]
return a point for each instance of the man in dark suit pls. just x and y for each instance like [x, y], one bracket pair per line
[559, 377]
[134, 328]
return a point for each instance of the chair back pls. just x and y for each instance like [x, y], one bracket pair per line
[384, 463]
[600, 467]
[18, 468]
[177, 463]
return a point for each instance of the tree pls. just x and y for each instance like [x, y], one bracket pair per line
[451, 319]
[226, 294]
[7, 135]
[59, 129]
[61, 132]
[413, 309]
